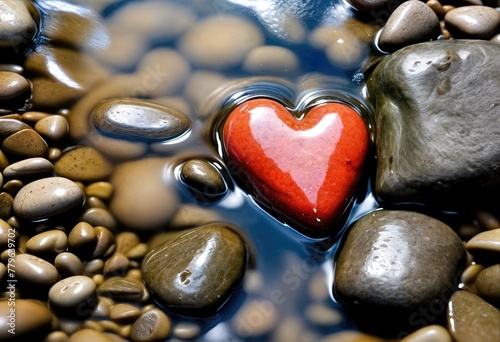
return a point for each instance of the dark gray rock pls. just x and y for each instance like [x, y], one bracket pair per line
[195, 273]
[397, 269]
[203, 177]
[437, 113]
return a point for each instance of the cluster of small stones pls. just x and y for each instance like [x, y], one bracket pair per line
[70, 220]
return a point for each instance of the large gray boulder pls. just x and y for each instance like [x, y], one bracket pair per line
[437, 115]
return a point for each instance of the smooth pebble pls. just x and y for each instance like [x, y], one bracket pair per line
[53, 128]
[51, 241]
[34, 271]
[19, 27]
[153, 325]
[488, 284]
[271, 59]
[473, 22]
[68, 264]
[84, 164]
[28, 168]
[31, 320]
[430, 333]
[26, 143]
[74, 295]
[15, 90]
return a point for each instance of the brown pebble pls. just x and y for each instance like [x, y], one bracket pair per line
[124, 313]
[83, 164]
[86, 335]
[53, 128]
[82, 236]
[126, 241]
[471, 319]
[31, 319]
[430, 333]
[105, 242]
[30, 167]
[32, 270]
[187, 331]
[75, 296]
[488, 284]
[33, 117]
[6, 203]
[57, 336]
[52, 241]
[14, 90]
[68, 264]
[203, 177]
[137, 252]
[116, 265]
[436, 7]
[473, 22]
[487, 220]
[153, 325]
[101, 190]
[123, 289]
[485, 246]
[93, 267]
[26, 143]
[99, 217]
[7, 234]
[11, 126]
[12, 187]
[54, 154]
[103, 308]
[469, 274]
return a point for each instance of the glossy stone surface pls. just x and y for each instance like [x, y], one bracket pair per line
[84, 164]
[433, 143]
[306, 170]
[47, 197]
[139, 120]
[393, 263]
[477, 22]
[197, 272]
[471, 319]
[31, 320]
[203, 177]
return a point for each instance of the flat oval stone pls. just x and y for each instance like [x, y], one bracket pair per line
[28, 167]
[123, 289]
[139, 120]
[76, 292]
[471, 319]
[474, 22]
[31, 320]
[35, 271]
[123, 312]
[271, 59]
[53, 127]
[203, 177]
[26, 143]
[14, 88]
[412, 22]
[51, 241]
[47, 197]
[90, 335]
[99, 217]
[488, 284]
[485, 246]
[196, 273]
[11, 126]
[430, 333]
[68, 264]
[393, 263]
[153, 325]
[84, 164]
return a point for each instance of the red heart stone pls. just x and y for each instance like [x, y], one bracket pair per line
[305, 170]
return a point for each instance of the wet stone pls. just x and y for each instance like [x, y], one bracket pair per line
[14, 90]
[49, 242]
[473, 22]
[53, 128]
[26, 143]
[139, 120]
[20, 27]
[83, 335]
[123, 289]
[197, 272]
[68, 264]
[488, 284]
[83, 164]
[99, 217]
[471, 319]
[412, 22]
[485, 246]
[105, 242]
[203, 177]
[153, 325]
[271, 59]
[30, 167]
[34, 271]
[11, 126]
[47, 197]
[385, 254]
[124, 313]
[432, 82]
[430, 333]
[101, 190]
[74, 295]
[32, 320]
[116, 265]
[6, 205]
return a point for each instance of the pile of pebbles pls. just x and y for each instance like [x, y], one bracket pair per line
[83, 196]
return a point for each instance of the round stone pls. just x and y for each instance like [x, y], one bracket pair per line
[412, 22]
[14, 89]
[196, 273]
[31, 320]
[75, 295]
[153, 325]
[27, 143]
[135, 119]
[430, 333]
[99, 217]
[471, 319]
[203, 177]
[68, 264]
[53, 127]
[47, 197]
[488, 284]
[83, 164]
[81, 236]
[485, 246]
[28, 168]
[35, 271]
[17, 27]
[385, 255]
[235, 38]
[271, 59]
[473, 22]
[51, 241]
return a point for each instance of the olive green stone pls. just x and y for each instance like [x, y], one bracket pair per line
[197, 272]
[471, 319]
[134, 119]
[203, 177]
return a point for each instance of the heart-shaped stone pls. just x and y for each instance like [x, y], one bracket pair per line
[304, 171]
